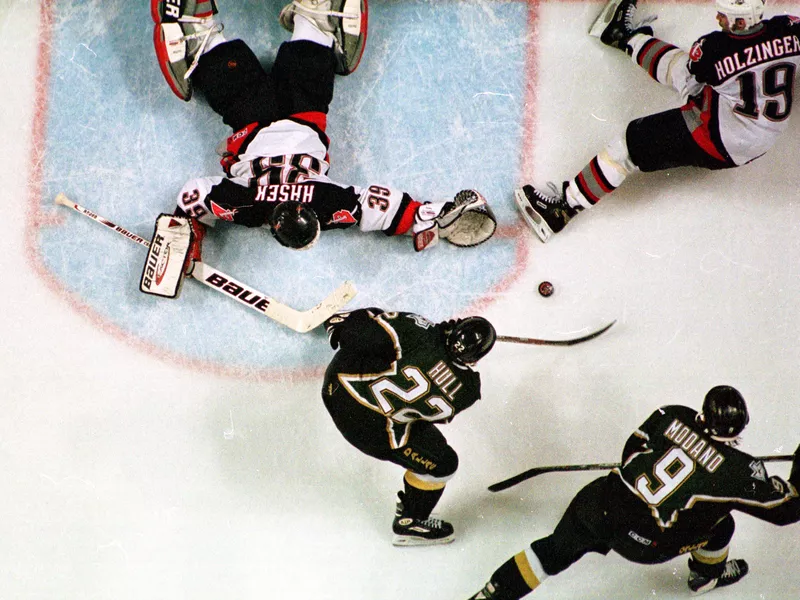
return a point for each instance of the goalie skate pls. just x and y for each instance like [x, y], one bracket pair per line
[181, 34]
[345, 20]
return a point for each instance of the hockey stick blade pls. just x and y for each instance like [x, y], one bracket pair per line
[300, 321]
[531, 473]
[537, 342]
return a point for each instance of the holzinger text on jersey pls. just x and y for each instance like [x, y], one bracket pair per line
[753, 55]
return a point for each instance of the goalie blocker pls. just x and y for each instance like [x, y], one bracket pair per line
[167, 258]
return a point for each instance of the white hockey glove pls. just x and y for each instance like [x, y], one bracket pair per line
[425, 229]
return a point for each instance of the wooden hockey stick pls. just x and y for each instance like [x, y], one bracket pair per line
[297, 320]
[538, 342]
[531, 473]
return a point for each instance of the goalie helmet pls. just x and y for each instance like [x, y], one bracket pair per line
[750, 11]
[469, 340]
[294, 225]
[724, 413]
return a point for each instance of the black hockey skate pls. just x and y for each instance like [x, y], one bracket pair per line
[409, 531]
[345, 20]
[734, 571]
[614, 26]
[490, 592]
[545, 214]
[182, 31]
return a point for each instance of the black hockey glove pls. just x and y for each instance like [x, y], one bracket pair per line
[337, 323]
[446, 327]
[794, 476]
[333, 327]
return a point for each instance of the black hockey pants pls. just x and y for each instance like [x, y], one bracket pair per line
[663, 141]
[425, 451]
[240, 90]
[591, 523]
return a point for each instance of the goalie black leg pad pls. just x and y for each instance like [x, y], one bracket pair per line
[163, 272]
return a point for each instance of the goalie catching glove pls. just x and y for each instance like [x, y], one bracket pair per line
[466, 221]
[173, 251]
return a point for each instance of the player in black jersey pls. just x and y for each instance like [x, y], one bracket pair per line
[394, 377]
[680, 478]
[278, 151]
[736, 85]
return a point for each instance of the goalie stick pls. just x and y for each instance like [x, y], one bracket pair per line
[531, 473]
[570, 342]
[301, 321]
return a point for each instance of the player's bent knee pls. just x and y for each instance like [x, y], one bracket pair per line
[227, 72]
[447, 465]
[440, 465]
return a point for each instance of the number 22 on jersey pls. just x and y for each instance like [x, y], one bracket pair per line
[390, 399]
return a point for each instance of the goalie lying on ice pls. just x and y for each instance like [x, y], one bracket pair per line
[297, 212]
[278, 152]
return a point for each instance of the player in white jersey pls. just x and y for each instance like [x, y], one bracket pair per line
[277, 155]
[736, 85]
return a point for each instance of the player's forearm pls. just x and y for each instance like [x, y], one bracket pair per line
[782, 507]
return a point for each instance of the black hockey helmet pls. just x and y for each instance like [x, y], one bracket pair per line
[295, 225]
[724, 413]
[469, 340]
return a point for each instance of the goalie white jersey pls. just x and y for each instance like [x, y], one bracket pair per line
[286, 151]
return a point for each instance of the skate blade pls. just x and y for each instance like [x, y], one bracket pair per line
[412, 540]
[604, 18]
[712, 584]
[532, 218]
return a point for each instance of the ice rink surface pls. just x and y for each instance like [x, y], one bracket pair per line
[161, 450]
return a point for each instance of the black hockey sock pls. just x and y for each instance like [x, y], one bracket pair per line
[509, 582]
[710, 571]
[417, 503]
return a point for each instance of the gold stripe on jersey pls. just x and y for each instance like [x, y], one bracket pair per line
[392, 430]
[346, 379]
[768, 504]
[791, 493]
[392, 333]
